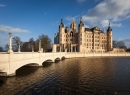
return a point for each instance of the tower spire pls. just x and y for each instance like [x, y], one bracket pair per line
[81, 23]
[61, 21]
[73, 20]
[80, 19]
[109, 24]
[109, 27]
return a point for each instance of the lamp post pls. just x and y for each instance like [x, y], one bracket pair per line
[10, 43]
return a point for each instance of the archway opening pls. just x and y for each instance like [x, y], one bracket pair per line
[57, 60]
[47, 63]
[63, 58]
[3, 80]
[27, 69]
[2, 74]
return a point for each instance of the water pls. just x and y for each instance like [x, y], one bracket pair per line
[77, 76]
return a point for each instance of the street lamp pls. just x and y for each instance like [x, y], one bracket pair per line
[10, 43]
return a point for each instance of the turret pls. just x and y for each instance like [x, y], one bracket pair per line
[81, 26]
[61, 26]
[109, 38]
[81, 34]
[73, 25]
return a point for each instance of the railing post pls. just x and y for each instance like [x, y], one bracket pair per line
[10, 43]
[39, 46]
[19, 48]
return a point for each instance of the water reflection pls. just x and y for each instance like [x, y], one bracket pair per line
[78, 76]
[2, 80]
[47, 64]
[26, 70]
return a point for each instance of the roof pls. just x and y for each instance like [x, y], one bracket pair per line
[87, 29]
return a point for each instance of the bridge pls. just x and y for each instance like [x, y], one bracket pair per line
[9, 63]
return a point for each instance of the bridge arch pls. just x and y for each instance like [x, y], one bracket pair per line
[48, 60]
[57, 59]
[26, 69]
[63, 58]
[11, 62]
[26, 64]
[47, 63]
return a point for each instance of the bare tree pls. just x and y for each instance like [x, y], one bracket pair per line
[119, 44]
[25, 46]
[16, 41]
[31, 44]
[1, 49]
[6, 47]
[45, 42]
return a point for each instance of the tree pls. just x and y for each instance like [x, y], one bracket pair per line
[45, 42]
[1, 49]
[119, 44]
[25, 46]
[128, 50]
[16, 41]
[31, 44]
[6, 47]
[114, 44]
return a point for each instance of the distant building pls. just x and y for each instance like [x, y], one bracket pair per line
[82, 40]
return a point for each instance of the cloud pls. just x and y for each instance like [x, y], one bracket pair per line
[8, 29]
[113, 11]
[81, 1]
[93, 19]
[70, 18]
[104, 23]
[126, 41]
[2, 5]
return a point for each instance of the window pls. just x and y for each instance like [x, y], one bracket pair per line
[80, 43]
[80, 39]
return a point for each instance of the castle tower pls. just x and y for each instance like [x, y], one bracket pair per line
[61, 35]
[73, 26]
[61, 31]
[61, 26]
[81, 26]
[81, 34]
[109, 38]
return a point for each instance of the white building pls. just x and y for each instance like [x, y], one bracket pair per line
[82, 40]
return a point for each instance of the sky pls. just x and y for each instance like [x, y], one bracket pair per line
[31, 18]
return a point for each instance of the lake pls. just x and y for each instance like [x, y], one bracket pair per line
[76, 76]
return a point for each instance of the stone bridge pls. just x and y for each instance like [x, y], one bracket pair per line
[9, 63]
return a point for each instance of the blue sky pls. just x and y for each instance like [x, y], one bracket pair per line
[31, 18]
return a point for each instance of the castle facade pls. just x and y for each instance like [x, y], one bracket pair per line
[82, 40]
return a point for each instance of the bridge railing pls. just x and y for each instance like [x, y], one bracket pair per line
[98, 54]
[4, 57]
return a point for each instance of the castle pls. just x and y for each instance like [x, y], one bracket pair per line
[83, 40]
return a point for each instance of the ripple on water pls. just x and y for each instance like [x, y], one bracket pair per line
[77, 76]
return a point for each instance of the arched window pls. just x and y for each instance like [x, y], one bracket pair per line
[71, 34]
